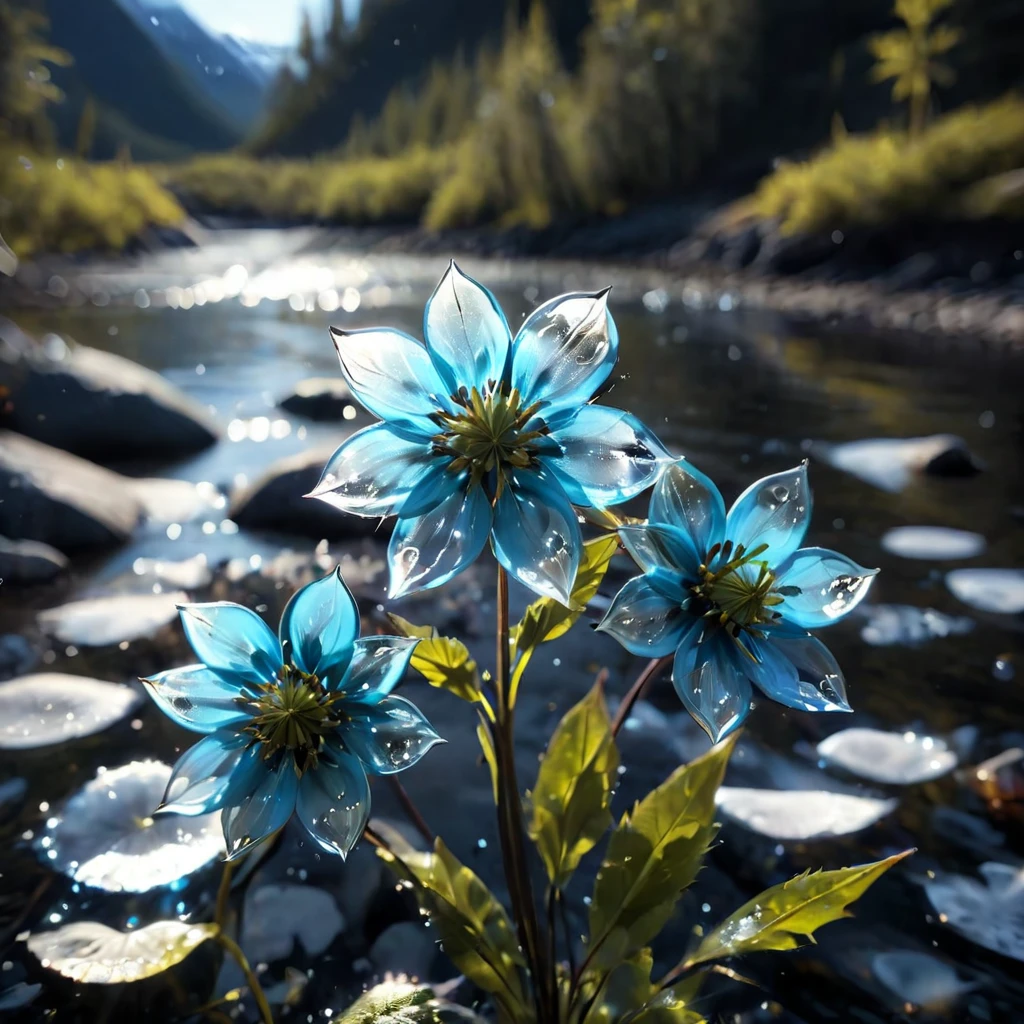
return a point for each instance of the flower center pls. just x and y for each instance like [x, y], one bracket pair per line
[740, 590]
[293, 713]
[488, 434]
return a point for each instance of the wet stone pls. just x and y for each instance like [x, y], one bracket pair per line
[932, 543]
[28, 562]
[888, 757]
[325, 399]
[50, 496]
[106, 621]
[276, 502]
[894, 624]
[79, 399]
[989, 590]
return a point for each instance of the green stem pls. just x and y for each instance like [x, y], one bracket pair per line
[654, 666]
[411, 810]
[234, 951]
[224, 894]
[510, 819]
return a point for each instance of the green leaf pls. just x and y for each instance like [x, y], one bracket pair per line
[406, 628]
[546, 619]
[398, 1002]
[441, 660]
[652, 856]
[474, 930]
[446, 663]
[666, 1008]
[627, 989]
[483, 734]
[782, 916]
[629, 995]
[92, 953]
[389, 1003]
[573, 793]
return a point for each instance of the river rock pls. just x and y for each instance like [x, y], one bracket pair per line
[106, 621]
[50, 496]
[890, 463]
[404, 948]
[325, 399]
[24, 562]
[276, 502]
[94, 403]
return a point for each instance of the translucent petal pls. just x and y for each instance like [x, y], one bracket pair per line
[321, 623]
[798, 673]
[198, 699]
[706, 677]
[774, 510]
[536, 534]
[232, 641]
[436, 484]
[655, 546]
[467, 335]
[644, 620]
[428, 550]
[688, 500]
[607, 457]
[565, 351]
[830, 585]
[372, 473]
[388, 736]
[264, 810]
[209, 773]
[377, 667]
[334, 802]
[393, 376]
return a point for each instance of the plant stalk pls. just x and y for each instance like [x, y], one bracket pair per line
[235, 952]
[510, 821]
[411, 810]
[224, 894]
[654, 666]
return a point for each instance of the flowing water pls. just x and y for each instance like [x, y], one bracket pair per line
[237, 323]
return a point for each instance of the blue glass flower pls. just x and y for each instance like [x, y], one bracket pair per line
[486, 436]
[293, 723]
[733, 596]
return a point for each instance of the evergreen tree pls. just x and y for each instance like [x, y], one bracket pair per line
[25, 85]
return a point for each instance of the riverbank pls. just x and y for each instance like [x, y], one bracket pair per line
[947, 281]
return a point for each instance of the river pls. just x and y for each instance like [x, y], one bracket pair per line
[741, 393]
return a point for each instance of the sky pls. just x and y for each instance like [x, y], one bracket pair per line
[268, 21]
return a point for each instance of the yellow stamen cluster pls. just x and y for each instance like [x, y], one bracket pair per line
[293, 713]
[488, 435]
[739, 601]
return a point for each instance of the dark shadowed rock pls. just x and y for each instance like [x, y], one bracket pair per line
[320, 398]
[94, 403]
[50, 496]
[275, 502]
[28, 561]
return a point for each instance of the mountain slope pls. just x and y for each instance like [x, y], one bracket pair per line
[216, 66]
[141, 98]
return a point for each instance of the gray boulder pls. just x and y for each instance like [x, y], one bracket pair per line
[24, 562]
[276, 502]
[50, 496]
[93, 403]
[320, 398]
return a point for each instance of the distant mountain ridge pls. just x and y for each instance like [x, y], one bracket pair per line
[142, 98]
[234, 74]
